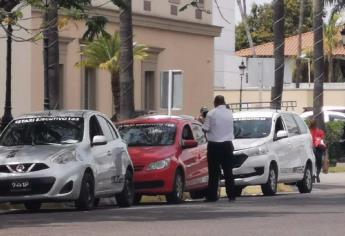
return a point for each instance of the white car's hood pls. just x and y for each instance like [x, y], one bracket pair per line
[240, 144]
[31, 154]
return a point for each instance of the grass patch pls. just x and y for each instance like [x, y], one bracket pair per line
[336, 169]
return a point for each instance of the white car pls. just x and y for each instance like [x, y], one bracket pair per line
[272, 147]
[327, 116]
[64, 156]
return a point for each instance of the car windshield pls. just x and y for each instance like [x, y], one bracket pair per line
[43, 131]
[252, 127]
[160, 134]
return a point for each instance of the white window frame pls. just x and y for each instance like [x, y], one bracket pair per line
[170, 92]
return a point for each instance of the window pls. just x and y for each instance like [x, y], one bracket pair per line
[147, 6]
[95, 128]
[252, 127]
[187, 133]
[279, 125]
[291, 124]
[301, 124]
[175, 79]
[90, 89]
[336, 118]
[199, 134]
[173, 10]
[198, 14]
[149, 90]
[105, 128]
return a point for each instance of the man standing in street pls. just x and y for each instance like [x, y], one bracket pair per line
[219, 128]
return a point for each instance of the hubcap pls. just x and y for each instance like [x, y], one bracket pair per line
[308, 178]
[273, 180]
[179, 186]
[89, 192]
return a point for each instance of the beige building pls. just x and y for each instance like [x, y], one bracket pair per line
[180, 42]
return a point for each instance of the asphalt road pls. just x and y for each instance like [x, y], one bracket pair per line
[319, 213]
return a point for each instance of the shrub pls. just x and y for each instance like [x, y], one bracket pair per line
[334, 133]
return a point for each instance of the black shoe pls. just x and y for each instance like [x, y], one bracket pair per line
[318, 179]
[232, 199]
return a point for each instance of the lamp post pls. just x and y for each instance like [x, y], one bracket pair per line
[242, 67]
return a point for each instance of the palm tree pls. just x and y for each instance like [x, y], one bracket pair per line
[278, 29]
[318, 6]
[332, 39]
[105, 53]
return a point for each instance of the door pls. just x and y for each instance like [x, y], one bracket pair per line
[201, 166]
[115, 149]
[295, 154]
[190, 157]
[100, 156]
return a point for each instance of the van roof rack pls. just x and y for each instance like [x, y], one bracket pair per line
[285, 105]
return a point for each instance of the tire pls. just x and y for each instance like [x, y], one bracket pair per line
[306, 184]
[126, 197]
[96, 202]
[137, 198]
[270, 188]
[238, 190]
[32, 206]
[176, 196]
[86, 199]
[198, 194]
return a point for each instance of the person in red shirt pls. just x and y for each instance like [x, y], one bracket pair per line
[319, 146]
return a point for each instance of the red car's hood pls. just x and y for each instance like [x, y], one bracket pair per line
[144, 155]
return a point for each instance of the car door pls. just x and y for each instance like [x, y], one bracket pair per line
[280, 148]
[295, 154]
[113, 169]
[189, 156]
[100, 156]
[201, 165]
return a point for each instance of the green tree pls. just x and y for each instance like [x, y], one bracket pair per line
[105, 53]
[260, 22]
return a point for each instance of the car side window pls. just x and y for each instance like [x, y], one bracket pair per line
[301, 124]
[105, 128]
[278, 126]
[187, 133]
[112, 129]
[291, 124]
[336, 118]
[95, 128]
[199, 134]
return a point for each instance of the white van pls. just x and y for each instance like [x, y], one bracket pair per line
[272, 147]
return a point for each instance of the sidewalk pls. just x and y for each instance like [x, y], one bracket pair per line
[333, 179]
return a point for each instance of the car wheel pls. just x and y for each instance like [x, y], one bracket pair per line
[198, 194]
[32, 206]
[270, 188]
[86, 198]
[126, 197]
[238, 191]
[176, 195]
[96, 202]
[137, 198]
[306, 184]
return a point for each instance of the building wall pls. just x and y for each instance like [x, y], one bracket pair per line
[176, 47]
[303, 96]
[226, 71]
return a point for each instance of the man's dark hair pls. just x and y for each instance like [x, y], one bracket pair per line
[219, 100]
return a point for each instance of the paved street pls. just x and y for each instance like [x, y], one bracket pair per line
[319, 213]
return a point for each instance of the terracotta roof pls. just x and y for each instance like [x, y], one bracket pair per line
[291, 44]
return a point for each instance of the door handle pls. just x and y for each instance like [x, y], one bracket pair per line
[109, 153]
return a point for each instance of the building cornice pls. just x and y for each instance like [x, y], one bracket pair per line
[161, 23]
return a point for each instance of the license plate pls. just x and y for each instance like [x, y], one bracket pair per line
[20, 186]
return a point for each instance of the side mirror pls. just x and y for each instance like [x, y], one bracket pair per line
[282, 134]
[189, 144]
[99, 140]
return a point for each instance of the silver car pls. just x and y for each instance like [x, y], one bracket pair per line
[64, 156]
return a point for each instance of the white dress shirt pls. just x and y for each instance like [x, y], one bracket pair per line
[219, 125]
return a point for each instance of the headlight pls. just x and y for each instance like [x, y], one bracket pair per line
[64, 157]
[256, 151]
[158, 165]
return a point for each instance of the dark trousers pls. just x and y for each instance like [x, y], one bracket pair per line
[318, 152]
[220, 155]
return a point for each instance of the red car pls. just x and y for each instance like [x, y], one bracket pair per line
[169, 156]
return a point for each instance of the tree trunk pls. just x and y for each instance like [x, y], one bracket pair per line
[318, 6]
[7, 118]
[115, 88]
[45, 59]
[299, 48]
[278, 29]
[126, 62]
[52, 63]
[244, 19]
